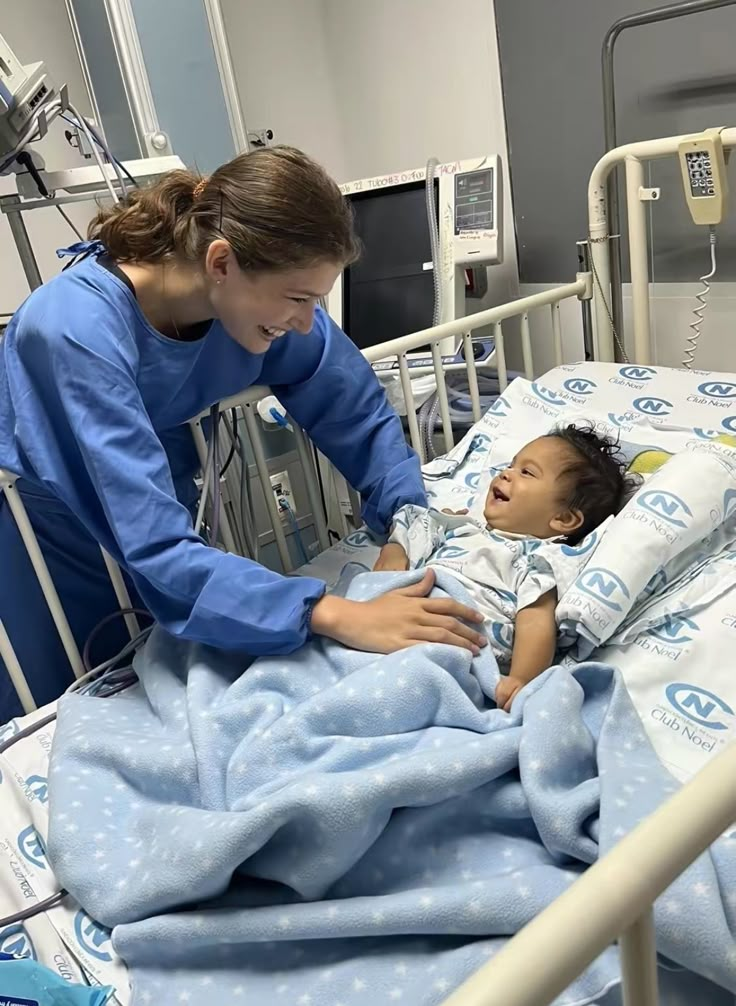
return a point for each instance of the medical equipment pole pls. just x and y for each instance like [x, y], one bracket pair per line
[526, 347]
[652, 16]
[585, 305]
[637, 220]
[556, 332]
[22, 242]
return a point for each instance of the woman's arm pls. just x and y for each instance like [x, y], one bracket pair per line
[331, 391]
[87, 436]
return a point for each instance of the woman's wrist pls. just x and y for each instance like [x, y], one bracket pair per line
[328, 614]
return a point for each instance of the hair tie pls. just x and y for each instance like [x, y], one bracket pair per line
[199, 188]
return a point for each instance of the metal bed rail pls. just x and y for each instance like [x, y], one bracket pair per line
[614, 901]
[399, 349]
[632, 156]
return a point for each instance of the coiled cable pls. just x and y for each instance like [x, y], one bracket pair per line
[702, 298]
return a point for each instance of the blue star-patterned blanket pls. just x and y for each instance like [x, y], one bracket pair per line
[338, 827]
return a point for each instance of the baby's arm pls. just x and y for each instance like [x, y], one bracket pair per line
[391, 557]
[535, 636]
[415, 535]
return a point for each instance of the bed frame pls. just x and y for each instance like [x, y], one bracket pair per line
[614, 899]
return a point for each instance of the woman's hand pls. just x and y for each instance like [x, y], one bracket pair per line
[399, 619]
[392, 557]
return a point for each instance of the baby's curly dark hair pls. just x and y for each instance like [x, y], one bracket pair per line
[597, 480]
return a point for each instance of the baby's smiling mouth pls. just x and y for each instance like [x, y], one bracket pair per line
[500, 496]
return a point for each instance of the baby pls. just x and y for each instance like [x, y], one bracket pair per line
[555, 492]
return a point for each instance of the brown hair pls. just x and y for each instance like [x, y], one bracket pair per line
[276, 207]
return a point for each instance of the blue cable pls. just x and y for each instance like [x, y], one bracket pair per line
[283, 503]
[278, 418]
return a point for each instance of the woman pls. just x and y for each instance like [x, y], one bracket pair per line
[191, 291]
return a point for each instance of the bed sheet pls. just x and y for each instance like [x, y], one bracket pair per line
[64, 939]
[654, 413]
[699, 399]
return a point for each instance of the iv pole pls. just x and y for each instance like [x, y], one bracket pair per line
[653, 16]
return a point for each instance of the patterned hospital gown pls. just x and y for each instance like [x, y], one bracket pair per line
[502, 572]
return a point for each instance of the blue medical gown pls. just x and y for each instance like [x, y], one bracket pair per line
[92, 402]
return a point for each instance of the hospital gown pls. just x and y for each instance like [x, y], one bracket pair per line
[92, 402]
[501, 572]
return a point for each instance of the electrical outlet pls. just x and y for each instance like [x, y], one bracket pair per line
[281, 485]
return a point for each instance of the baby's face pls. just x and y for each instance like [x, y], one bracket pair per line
[529, 496]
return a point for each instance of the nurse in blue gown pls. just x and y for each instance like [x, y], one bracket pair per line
[190, 291]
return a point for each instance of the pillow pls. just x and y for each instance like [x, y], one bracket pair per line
[660, 537]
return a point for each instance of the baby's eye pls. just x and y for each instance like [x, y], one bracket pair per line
[299, 300]
[526, 471]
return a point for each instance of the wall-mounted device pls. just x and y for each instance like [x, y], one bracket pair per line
[24, 93]
[703, 165]
[389, 291]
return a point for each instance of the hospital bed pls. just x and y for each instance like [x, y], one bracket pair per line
[614, 899]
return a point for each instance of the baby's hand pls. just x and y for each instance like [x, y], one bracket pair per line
[505, 692]
[392, 558]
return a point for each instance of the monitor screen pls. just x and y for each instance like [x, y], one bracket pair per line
[389, 291]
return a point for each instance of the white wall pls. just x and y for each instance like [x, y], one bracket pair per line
[284, 75]
[671, 312]
[39, 29]
[369, 87]
[416, 79]
[375, 86]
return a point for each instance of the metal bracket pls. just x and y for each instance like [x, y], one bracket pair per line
[159, 141]
[260, 137]
[587, 278]
[649, 195]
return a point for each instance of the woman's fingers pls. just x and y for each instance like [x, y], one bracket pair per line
[435, 634]
[456, 628]
[446, 606]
